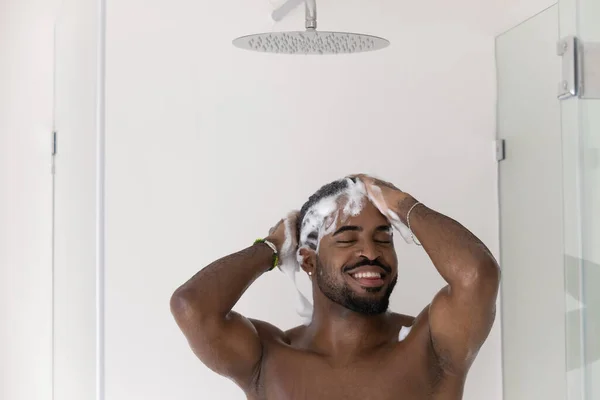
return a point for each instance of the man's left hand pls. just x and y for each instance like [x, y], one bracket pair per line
[384, 195]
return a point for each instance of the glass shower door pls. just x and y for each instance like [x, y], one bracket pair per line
[76, 355]
[581, 179]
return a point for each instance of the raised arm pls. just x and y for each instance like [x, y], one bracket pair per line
[223, 340]
[462, 314]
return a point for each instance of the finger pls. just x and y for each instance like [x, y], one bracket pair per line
[291, 223]
[293, 216]
[273, 229]
[358, 177]
[292, 219]
[366, 180]
[376, 197]
[382, 183]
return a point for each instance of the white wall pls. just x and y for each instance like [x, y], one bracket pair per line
[25, 122]
[208, 146]
[26, 60]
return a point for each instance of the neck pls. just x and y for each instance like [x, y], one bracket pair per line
[341, 333]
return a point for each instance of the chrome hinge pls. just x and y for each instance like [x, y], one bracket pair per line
[54, 147]
[580, 69]
[500, 149]
[54, 143]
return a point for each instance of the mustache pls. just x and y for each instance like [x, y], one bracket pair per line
[365, 261]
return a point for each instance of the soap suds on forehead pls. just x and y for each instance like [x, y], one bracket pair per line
[322, 218]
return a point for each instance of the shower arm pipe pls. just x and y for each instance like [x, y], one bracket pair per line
[311, 14]
[282, 11]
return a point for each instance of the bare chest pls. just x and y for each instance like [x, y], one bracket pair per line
[289, 374]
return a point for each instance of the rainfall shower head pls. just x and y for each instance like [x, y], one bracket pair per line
[310, 41]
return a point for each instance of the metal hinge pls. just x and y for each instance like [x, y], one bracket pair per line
[54, 143]
[580, 69]
[500, 149]
[54, 148]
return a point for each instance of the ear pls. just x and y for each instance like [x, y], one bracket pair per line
[308, 260]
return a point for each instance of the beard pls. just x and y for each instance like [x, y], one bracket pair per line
[342, 294]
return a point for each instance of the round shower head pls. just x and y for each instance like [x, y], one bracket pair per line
[310, 42]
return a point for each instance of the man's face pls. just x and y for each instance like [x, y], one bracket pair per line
[357, 266]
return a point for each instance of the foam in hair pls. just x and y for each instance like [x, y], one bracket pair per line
[320, 220]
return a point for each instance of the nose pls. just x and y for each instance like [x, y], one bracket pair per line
[369, 249]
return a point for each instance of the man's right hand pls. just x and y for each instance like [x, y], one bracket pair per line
[283, 235]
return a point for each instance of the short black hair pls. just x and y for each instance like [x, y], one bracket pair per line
[330, 189]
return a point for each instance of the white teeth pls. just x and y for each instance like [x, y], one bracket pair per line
[360, 275]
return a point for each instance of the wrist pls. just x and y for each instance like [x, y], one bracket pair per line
[268, 248]
[403, 205]
[276, 242]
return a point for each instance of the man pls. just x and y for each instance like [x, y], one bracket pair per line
[353, 348]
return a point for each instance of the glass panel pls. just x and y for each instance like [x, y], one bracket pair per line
[74, 308]
[530, 199]
[581, 177]
[590, 131]
[572, 245]
[589, 32]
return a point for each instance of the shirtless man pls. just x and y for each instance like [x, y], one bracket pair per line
[351, 348]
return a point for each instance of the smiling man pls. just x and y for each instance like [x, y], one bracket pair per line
[351, 347]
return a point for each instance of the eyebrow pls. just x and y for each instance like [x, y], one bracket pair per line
[385, 228]
[353, 228]
[348, 228]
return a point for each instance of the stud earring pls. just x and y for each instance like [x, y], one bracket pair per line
[309, 273]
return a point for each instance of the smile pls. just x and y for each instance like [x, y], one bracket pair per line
[368, 277]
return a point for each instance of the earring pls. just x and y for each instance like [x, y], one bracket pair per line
[309, 273]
